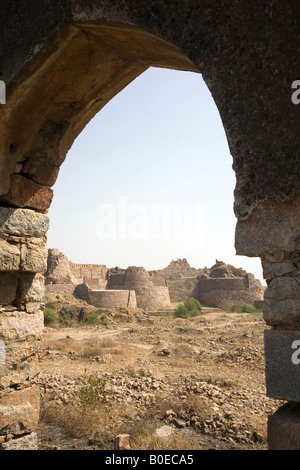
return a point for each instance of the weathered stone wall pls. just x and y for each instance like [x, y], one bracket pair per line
[95, 283]
[139, 280]
[273, 232]
[99, 277]
[81, 271]
[180, 280]
[149, 297]
[157, 298]
[181, 288]
[220, 286]
[224, 284]
[107, 298]
[58, 268]
[178, 267]
[226, 291]
[23, 261]
[116, 280]
[60, 289]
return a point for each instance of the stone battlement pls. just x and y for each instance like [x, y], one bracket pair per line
[218, 286]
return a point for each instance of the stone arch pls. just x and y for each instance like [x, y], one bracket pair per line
[248, 57]
[84, 67]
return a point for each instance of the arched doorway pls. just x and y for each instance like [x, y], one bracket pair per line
[36, 134]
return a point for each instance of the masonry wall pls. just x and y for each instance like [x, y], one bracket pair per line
[107, 298]
[80, 271]
[95, 283]
[226, 292]
[155, 299]
[139, 280]
[60, 289]
[116, 280]
[224, 284]
[23, 260]
[181, 288]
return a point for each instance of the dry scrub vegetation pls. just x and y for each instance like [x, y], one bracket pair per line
[170, 383]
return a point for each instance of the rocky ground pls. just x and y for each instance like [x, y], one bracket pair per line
[169, 383]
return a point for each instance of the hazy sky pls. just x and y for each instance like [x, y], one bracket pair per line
[149, 180]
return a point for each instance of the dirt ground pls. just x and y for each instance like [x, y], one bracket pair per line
[169, 383]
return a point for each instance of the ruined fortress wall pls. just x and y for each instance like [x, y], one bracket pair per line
[95, 283]
[80, 271]
[58, 268]
[116, 281]
[139, 280]
[155, 299]
[158, 278]
[225, 292]
[182, 288]
[224, 284]
[60, 289]
[113, 298]
[226, 298]
[178, 267]
[161, 297]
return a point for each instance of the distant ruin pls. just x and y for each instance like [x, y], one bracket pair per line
[220, 286]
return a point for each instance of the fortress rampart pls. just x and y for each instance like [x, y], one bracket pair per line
[219, 286]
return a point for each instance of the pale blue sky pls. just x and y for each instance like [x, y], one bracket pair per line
[158, 143]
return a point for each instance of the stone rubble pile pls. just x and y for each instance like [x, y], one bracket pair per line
[242, 355]
[220, 412]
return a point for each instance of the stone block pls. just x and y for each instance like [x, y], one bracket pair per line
[282, 364]
[17, 370]
[31, 288]
[23, 222]
[122, 442]
[26, 193]
[19, 411]
[8, 288]
[34, 260]
[33, 307]
[284, 428]
[271, 270]
[282, 301]
[9, 257]
[28, 442]
[273, 228]
[20, 326]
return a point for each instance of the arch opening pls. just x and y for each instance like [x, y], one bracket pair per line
[134, 277]
[31, 154]
[101, 60]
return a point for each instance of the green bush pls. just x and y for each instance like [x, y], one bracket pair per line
[190, 308]
[244, 308]
[49, 317]
[92, 319]
[104, 320]
[192, 304]
[65, 316]
[93, 391]
[57, 297]
[181, 312]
